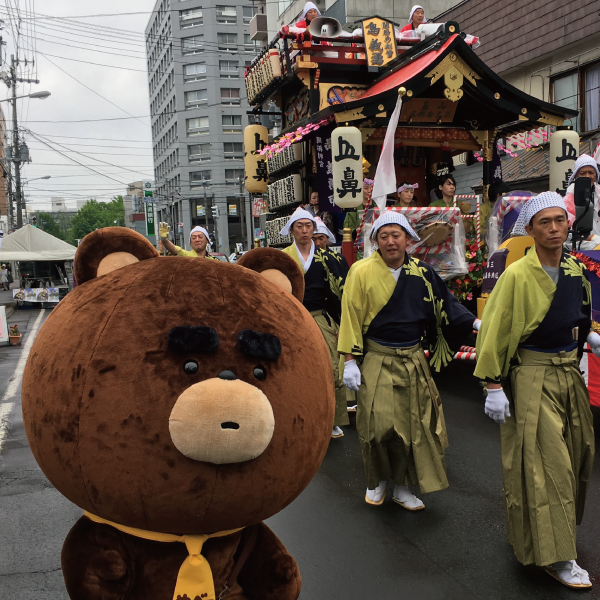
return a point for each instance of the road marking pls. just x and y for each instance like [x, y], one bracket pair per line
[14, 382]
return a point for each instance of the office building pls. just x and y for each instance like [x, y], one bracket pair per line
[197, 52]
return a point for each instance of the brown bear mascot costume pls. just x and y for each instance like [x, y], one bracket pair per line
[183, 401]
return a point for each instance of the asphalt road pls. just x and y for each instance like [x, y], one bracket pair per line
[346, 549]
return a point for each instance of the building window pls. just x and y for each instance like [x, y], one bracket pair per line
[228, 68]
[233, 150]
[233, 175]
[192, 44]
[197, 177]
[195, 98]
[231, 123]
[230, 96]
[227, 41]
[198, 152]
[197, 126]
[194, 72]
[226, 14]
[249, 44]
[190, 18]
[249, 12]
[592, 98]
[565, 93]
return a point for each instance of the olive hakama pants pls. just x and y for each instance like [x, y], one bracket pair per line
[400, 420]
[547, 456]
[330, 331]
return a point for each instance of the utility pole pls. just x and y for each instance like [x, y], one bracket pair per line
[243, 213]
[18, 157]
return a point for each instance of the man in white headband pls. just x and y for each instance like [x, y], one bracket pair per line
[389, 301]
[199, 241]
[324, 279]
[534, 326]
[322, 236]
[585, 166]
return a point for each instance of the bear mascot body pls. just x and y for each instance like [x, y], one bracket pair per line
[184, 401]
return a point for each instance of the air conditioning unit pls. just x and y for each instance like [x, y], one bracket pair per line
[258, 27]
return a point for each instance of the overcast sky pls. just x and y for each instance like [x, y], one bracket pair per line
[107, 131]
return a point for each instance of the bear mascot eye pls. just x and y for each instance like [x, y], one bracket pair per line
[190, 367]
[260, 373]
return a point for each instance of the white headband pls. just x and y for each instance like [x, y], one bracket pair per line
[201, 230]
[299, 213]
[585, 160]
[322, 229]
[410, 186]
[533, 206]
[390, 217]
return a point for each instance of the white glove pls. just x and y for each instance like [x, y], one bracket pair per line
[163, 231]
[476, 324]
[593, 340]
[351, 375]
[496, 405]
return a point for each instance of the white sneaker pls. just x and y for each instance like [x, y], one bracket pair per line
[376, 496]
[569, 573]
[404, 498]
[337, 432]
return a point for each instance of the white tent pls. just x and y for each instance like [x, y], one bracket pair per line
[31, 243]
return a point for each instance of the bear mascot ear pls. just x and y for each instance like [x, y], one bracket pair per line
[276, 266]
[108, 249]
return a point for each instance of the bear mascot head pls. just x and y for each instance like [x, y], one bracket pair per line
[184, 401]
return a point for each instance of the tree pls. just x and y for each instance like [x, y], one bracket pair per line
[95, 215]
[46, 222]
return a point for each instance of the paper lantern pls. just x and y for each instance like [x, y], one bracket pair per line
[346, 160]
[255, 165]
[564, 151]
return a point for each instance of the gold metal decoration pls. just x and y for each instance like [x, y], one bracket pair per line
[524, 111]
[409, 93]
[456, 62]
[551, 119]
[401, 91]
[453, 79]
[451, 29]
[497, 96]
[380, 107]
[349, 115]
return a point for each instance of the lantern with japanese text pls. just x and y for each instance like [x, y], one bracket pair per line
[256, 138]
[346, 153]
[564, 151]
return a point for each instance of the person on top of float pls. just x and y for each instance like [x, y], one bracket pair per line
[447, 186]
[406, 195]
[390, 300]
[324, 279]
[585, 166]
[416, 18]
[310, 13]
[532, 333]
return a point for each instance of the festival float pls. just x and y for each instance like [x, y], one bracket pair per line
[398, 104]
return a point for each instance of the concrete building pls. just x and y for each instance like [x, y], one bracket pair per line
[58, 205]
[197, 52]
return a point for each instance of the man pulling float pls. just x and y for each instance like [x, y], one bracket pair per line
[389, 300]
[534, 326]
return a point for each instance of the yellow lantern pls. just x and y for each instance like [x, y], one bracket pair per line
[256, 138]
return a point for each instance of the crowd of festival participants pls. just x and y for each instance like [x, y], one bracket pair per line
[374, 318]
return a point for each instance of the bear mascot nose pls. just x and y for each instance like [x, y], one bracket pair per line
[222, 421]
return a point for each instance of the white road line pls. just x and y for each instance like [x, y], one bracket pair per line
[14, 382]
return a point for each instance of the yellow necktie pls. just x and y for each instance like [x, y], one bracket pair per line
[195, 580]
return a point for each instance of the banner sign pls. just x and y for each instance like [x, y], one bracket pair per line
[255, 166]
[380, 42]
[324, 169]
[564, 151]
[150, 218]
[346, 147]
[36, 294]
[494, 268]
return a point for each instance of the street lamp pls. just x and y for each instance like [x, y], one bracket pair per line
[36, 178]
[38, 95]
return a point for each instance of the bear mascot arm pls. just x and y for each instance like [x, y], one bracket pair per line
[129, 364]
